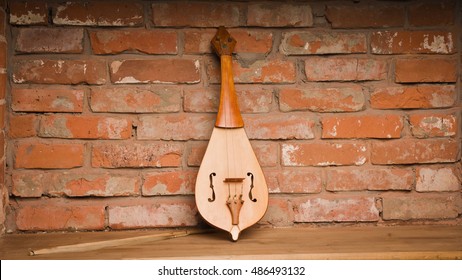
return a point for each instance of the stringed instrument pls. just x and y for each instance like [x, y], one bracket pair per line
[231, 191]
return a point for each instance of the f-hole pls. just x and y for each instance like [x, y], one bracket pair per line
[251, 187]
[212, 199]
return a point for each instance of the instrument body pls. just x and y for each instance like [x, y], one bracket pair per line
[231, 191]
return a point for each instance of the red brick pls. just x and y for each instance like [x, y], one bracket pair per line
[413, 42]
[45, 71]
[279, 126]
[40, 155]
[413, 97]
[279, 213]
[260, 71]
[162, 70]
[154, 154]
[323, 154]
[433, 125]
[248, 41]
[369, 179]
[175, 127]
[135, 100]
[3, 53]
[3, 81]
[364, 15]
[171, 212]
[322, 42]
[49, 40]
[279, 14]
[365, 126]
[266, 153]
[429, 70]
[86, 127]
[22, 126]
[99, 13]
[196, 152]
[409, 151]
[169, 183]
[345, 99]
[36, 184]
[47, 100]
[252, 99]
[299, 180]
[417, 207]
[28, 13]
[438, 179]
[145, 41]
[196, 14]
[335, 209]
[48, 214]
[436, 13]
[345, 69]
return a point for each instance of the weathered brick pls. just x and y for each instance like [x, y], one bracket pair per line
[369, 179]
[248, 41]
[438, 179]
[155, 154]
[345, 99]
[280, 213]
[335, 209]
[417, 207]
[47, 100]
[345, 69]
[322, 42]
[413, 42]
[266, 153]
[28, 12]
[364, 126]
[162, 70]
[72, 184]
[252, 99]
[171, 212]
[22, 126]
[99, 13]
[169, 183]
[175, 127]
[46, 71]
[135, 100]
[409, 151]
[260, 71]
[433, 125]
[145, 41]
[41, 155]
[47, 214]
[365, 15]
[432, 13]
[196, 14]
[323, 154]
[279, 14]
[279, 126]
[196, 153]
[298, 180]
[428, 70]
[413, 97]
[86, 127]
[49, 40]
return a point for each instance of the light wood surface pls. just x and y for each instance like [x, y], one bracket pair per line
[403, 242]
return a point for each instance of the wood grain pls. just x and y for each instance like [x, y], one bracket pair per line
[370, 242]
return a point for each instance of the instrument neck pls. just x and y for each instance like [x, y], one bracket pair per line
[229, 115]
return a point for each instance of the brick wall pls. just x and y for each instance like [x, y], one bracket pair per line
[353, 110]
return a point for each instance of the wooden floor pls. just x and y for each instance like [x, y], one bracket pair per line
[404, 242]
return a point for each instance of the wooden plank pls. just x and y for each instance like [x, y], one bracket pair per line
[370, 242]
